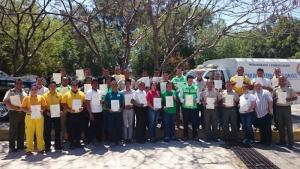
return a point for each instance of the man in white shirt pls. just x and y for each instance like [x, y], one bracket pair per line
[40, 85]
[94, 102]
[140, 108]
[265, 83]
[128, 112]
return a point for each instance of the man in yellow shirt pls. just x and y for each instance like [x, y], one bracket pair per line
[52, 117]
[34, 105]
[239, 79]
[72, 102]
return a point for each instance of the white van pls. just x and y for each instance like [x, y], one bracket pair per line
[289, 68]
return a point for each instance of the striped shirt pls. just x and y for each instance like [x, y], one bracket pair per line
[262, 102]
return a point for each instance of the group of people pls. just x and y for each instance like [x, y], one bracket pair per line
[118, 109]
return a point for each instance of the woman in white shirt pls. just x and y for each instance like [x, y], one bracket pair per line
[247, 105]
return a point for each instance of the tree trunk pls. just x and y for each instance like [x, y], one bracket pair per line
[155, 48]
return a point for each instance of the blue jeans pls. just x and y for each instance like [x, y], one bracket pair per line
[152, 122]
[247, 121]
[169, 121]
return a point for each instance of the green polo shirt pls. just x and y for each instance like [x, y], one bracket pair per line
[176, 79]
[171, 110]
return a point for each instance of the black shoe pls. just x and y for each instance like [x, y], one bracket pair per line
[47, 149]
[281, 143]
[12, 150]
[29, 153]
[42, 152]
[72, 146]
[166, 140]
[215, 140]
[58, 148]
[290, 146]
[21, 148]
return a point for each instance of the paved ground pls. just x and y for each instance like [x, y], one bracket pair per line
[160, 155]
[282, 156]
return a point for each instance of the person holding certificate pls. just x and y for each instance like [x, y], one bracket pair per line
[265, 83]
[34, 105]
[239, 79]
[284, 95]
[40, 81]
[209, 98]
[127, 76]
[229, 102]
[13, 99]
[52, 117]
[264, 113]
[72, 102]
[128, 112]
[140, 109]
[189, 98]
[169, 98]
[62, 89]
[247, 114]
[201, 82]
[115, 101]
[178, 81]
[93, 104]
[154, 105]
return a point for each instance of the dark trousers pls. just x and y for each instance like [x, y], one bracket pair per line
[169, 125]
[85, 123]
[96, 127]
[264, 125]
[229, 117]
[200, 119]
[211, 123]
[285, 123]
[49, 124]
[75, 127]
[115, 122]
[105, 125]
[190, 115]
[16, 129]
[141, 119]
[275, 116]
[247, 122]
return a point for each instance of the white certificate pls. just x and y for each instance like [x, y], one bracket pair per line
[244, 106]
[157, 103]
[115, 105]
[128, 98]
[239, 81]
[162, 86]
[103, 88]
[229, 100]
[156, 79]
[15, 100]
[169, 101]
[35, 111]
[274, 82]
[210, 103]
[80, 74]
[189, 101]
[259, 80]
[95, 102]
[146, 80]
[218, 84]
[55, 110]
[76, 104]
[57, 77]
[87, 87]
[282, 97]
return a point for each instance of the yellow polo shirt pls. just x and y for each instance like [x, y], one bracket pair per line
[29, 100]
[68, 98]
[239, 90]
[52, 98]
